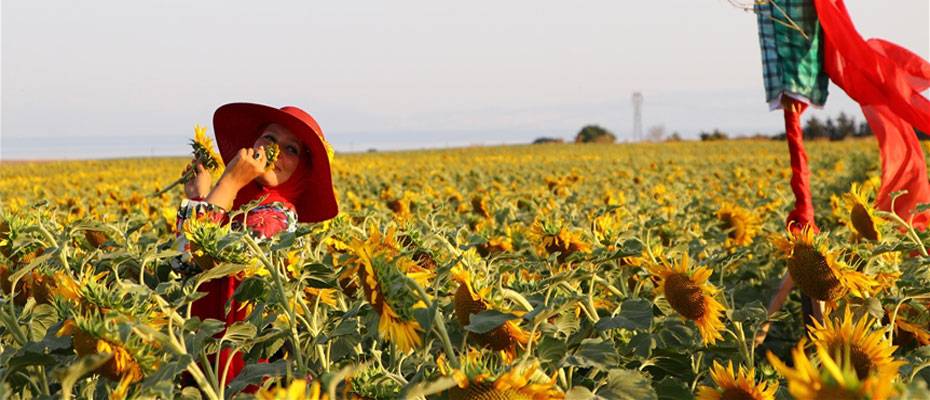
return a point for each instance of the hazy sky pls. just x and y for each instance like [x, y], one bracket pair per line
[390, 74]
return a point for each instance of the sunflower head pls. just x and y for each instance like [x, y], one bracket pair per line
[736, 385]
[298, 389]
[910, 325]
[691, 295]
[130, 357]
[554, 238]
[827, 376]
[212, 243]
[204, 151]
[608, 225]
[740, 225]
[486, 376]
[819, 272]
[862, 219]
[848, 337]
[384, 275]
[467, 301]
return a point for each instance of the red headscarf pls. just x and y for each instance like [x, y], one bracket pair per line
[287, 192]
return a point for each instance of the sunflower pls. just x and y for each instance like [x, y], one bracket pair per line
[910, 325]
[212, 243]
[507, 337]
[829, 378]
[495, 245]
[689, 293]
[732, 385]
[819, 272]
[740, 225]
[272, 151]
[204, 151]
[129, 358]
[862, 219]
[46, 287]
[608, 226]
[485, 377]
[479, 204]
[554, 239]
[869, 351]
[297, 390]
[383, 273]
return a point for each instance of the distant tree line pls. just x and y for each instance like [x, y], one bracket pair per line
[842, 127]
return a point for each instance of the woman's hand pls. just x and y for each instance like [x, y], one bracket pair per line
[247, 165]
[199, 186]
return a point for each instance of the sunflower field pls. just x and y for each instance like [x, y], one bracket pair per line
[635, 271]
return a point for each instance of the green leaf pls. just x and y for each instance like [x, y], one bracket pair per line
[641, 345]
[593, 353]
[487, 321]
[83, 366]
[190, 393]
[921, 208]
[240, 332]
[250, 289]
[255, 373]
[752, 312]
[221, 271]
[672, 389]
[42, 317]
[634, 314]
[167, 371]
[580, 393]
[626, 384]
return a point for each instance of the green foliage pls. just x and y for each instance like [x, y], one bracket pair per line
[594, 134]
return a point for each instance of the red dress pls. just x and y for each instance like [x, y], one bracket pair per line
[261, 223]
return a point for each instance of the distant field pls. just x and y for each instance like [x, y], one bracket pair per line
[583, 250]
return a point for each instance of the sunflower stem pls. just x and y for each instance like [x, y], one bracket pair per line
[440, 325]
[282, 298]
[186, 176]
[613, 289]
[590, 300]
[516, 298]
[911, 233]
[178, 347]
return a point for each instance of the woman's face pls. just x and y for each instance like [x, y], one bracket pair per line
[291, 154]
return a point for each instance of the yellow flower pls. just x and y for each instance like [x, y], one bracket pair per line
[382, 272]
[740, 225]
[507, 337]
[297, 390]
[869, 351]
[862, 218]
[830, 378]
[479, 379]
[204, 151]
[733, 385]
[690, 294]
[819, 272]
[910, 326]
[552, 240]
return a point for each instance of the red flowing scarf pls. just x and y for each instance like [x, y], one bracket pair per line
[886, 80]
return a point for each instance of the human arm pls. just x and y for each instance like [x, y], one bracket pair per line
[241, 170]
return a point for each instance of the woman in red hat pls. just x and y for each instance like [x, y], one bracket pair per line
[297, 189]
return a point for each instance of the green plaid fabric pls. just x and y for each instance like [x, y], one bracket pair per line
[792, 63]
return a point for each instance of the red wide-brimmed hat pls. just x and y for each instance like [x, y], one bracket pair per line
[237, 126]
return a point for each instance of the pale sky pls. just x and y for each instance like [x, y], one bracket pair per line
[120, 77]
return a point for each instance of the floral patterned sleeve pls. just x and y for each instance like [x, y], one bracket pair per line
[268, 220]
[262, 222]
[198, 209]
